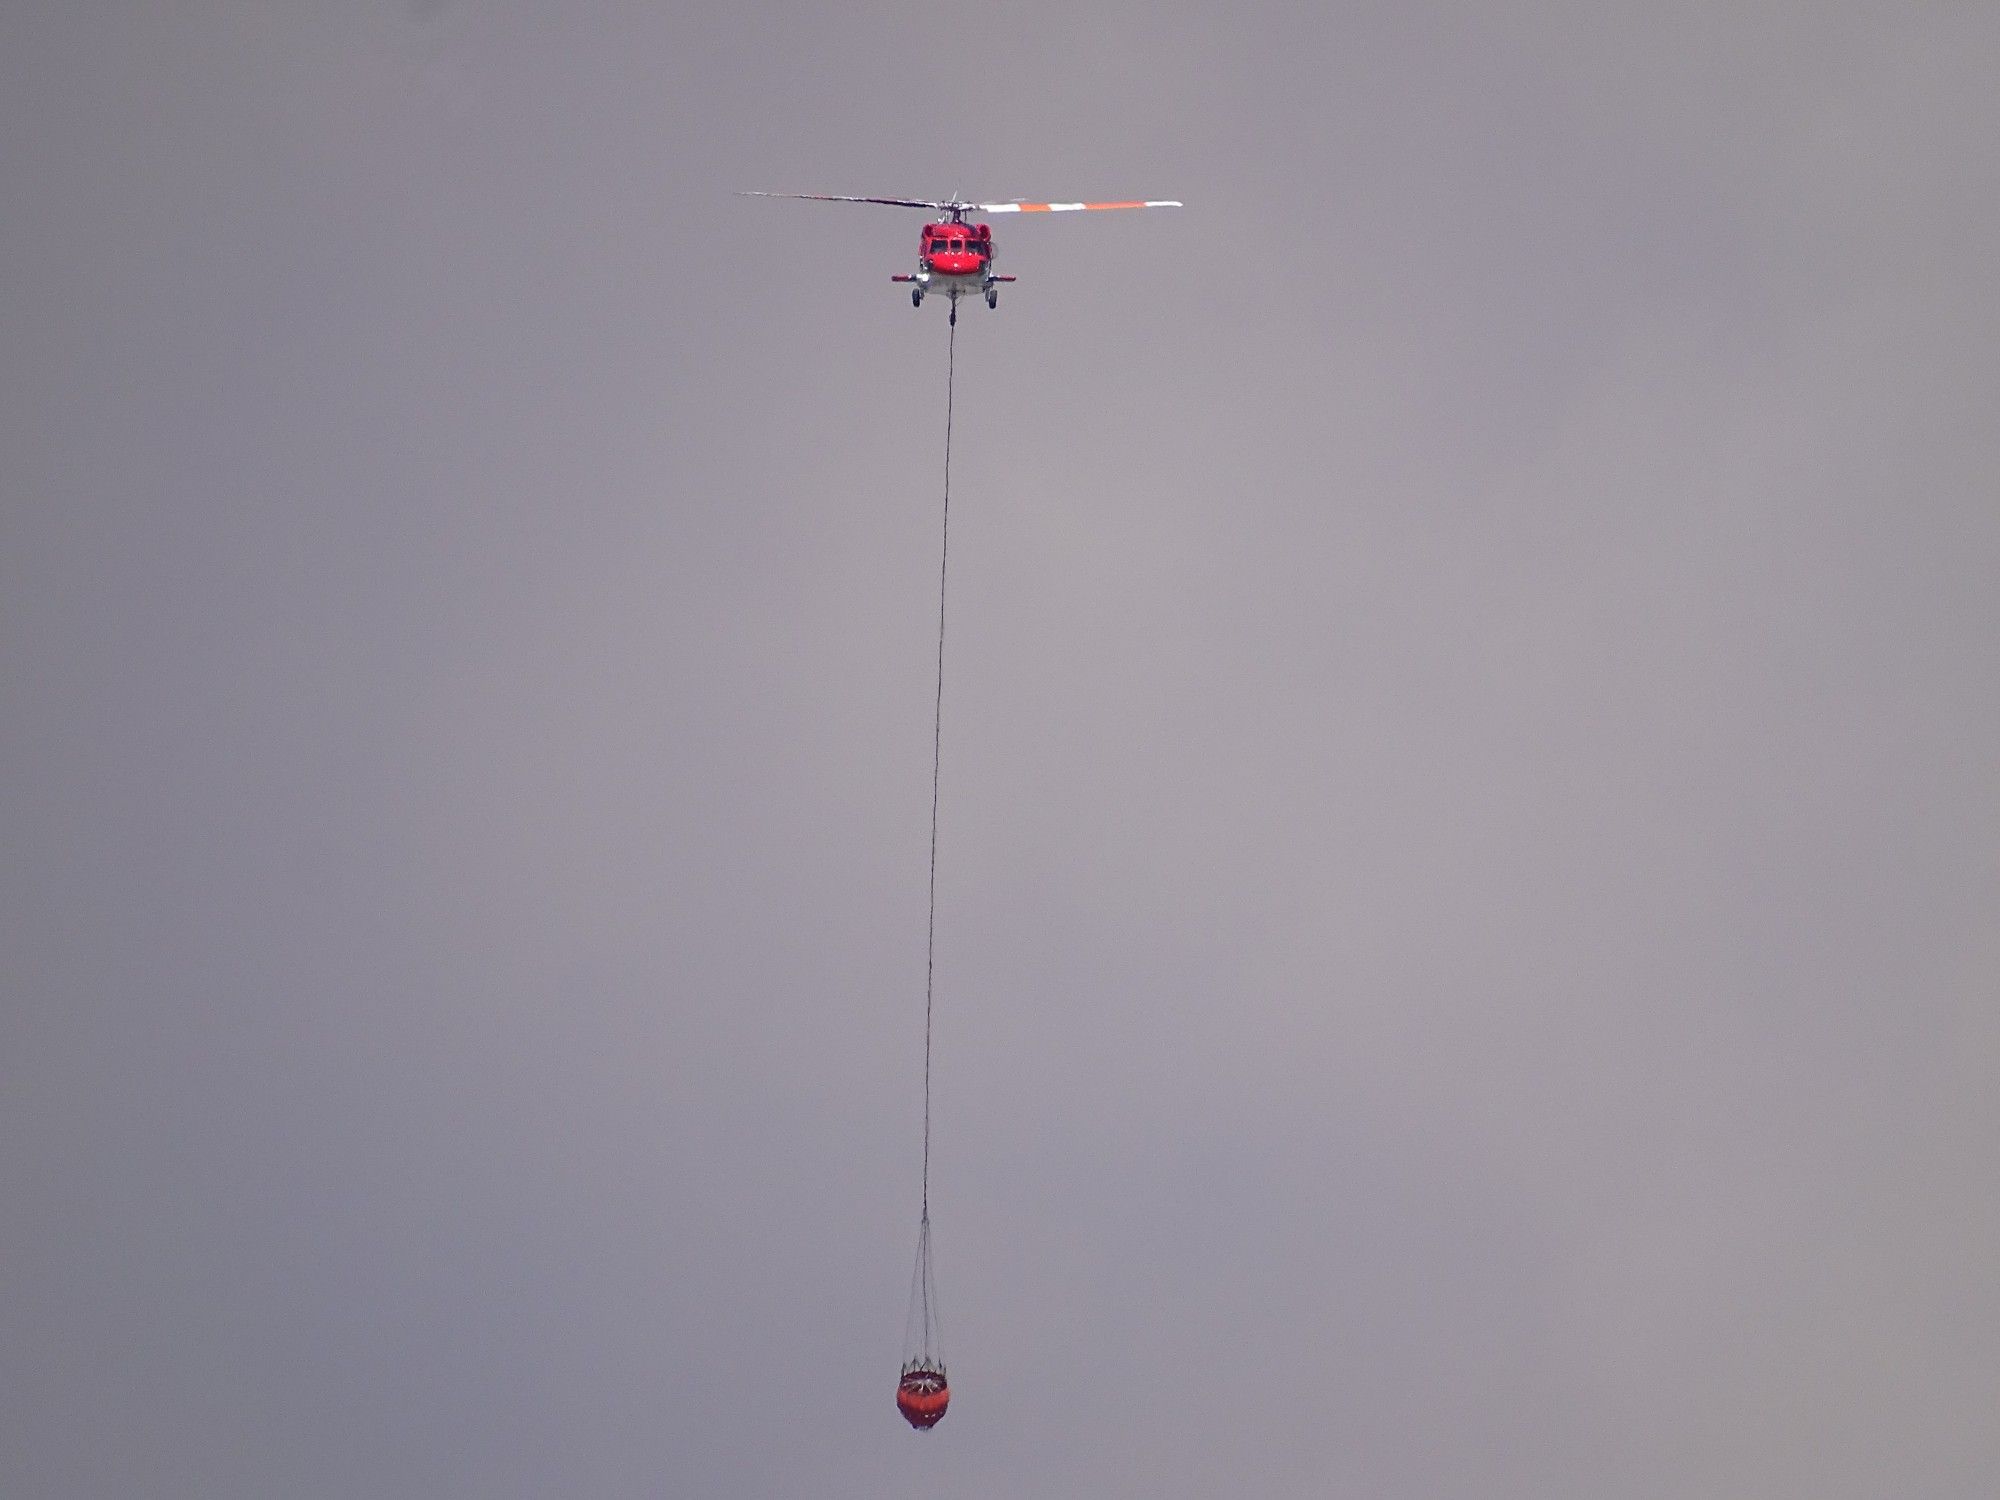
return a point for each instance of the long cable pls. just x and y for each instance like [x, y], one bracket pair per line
[937, 759]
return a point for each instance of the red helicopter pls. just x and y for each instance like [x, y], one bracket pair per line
[954, 258]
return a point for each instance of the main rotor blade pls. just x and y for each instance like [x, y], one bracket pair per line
[1066, 208]
[839, 198]
[942, 205]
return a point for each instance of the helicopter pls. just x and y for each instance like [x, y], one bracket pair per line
[954, 257]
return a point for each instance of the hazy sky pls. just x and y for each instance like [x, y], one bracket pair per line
[1470, 886]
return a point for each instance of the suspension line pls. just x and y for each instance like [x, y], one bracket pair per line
[937, 760]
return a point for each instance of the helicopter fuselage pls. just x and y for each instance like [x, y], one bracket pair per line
[956, 259]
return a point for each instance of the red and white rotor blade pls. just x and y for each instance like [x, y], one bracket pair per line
[1069, 208]
[840, 198]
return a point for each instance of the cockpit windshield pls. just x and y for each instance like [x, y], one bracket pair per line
[954, 242]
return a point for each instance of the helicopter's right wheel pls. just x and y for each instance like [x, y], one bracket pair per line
[917, 297]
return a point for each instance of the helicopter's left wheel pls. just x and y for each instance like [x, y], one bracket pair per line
[993, 296]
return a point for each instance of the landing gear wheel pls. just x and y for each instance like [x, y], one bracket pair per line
[993, 296]
[916, 296]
